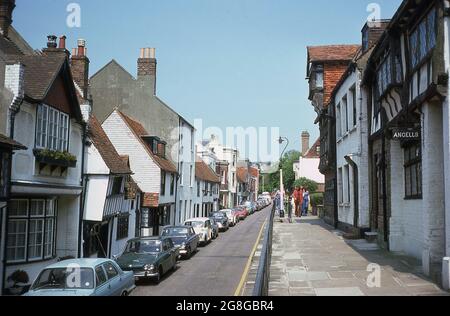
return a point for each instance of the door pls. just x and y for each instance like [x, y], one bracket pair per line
[166, 256]
[102, 285]
[155, 221]
[104, 240]
[115, 285]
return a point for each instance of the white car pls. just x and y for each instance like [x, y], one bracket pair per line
[203, 227]
[231, 216]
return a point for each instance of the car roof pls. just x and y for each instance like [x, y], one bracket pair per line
[83, 263]
[177, 226]
[197, 219]
[147, 238]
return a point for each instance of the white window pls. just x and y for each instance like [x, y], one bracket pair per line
[338, 120]
[191, 180]
[181, 174]
[52, 130]
[340, 186]
[31, 230]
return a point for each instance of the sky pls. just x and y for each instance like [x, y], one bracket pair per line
[231, 63]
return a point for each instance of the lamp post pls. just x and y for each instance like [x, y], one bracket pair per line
[281, 140]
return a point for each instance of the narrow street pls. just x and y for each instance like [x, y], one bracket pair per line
[216, 269]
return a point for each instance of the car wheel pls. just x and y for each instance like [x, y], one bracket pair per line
[159, 275]
[189, 253]
[124, 293]
[174, 267]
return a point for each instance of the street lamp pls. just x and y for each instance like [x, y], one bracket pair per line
[281, 140]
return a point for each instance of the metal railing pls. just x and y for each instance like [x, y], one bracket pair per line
[263, 275]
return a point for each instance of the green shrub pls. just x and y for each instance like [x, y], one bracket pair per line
[316, 199]
[310, 185]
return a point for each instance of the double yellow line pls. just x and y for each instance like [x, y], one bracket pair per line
[239, 289]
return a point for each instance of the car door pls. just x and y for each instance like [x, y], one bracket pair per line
[114, 279]
[194, 240]
[208, 228]
[102, 287]
[173, 253]
[165, 256]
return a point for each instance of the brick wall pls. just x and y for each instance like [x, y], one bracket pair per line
[332, 74]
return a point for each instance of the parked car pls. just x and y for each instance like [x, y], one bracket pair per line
[242, 212]
[215, 228]
[149, 257]
[222, 220]
[203, 227]
[183, 237]
[250, 207]
[236, 213]
[96, 277]
[232, 218]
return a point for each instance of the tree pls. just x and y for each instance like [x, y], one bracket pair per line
[287, 164]
[309, 185]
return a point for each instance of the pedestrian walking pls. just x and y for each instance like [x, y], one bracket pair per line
[298, 197]
[305, 203]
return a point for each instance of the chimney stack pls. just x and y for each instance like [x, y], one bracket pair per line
[371, 33]
[6, 10]
[79, 63]
[147, 67]
[305, 142]
[62, 42]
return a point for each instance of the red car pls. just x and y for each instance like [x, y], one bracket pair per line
[241, 212]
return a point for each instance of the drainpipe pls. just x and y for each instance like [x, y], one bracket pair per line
[83, 192]
[14, 108]
[352, 163]
[383, 172]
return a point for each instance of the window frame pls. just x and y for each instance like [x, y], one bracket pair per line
[44, 218]
[411, 163]
[123, 227]
[49, 129]
[163, 183]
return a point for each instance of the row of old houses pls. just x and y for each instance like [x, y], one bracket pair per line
[383, 112]
[89, 162]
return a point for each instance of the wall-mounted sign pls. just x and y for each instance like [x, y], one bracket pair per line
[404, 134]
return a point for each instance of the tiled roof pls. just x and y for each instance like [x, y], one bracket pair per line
[332, 52]
[8, 142]
[242, 174]
[312, 152]
[8, 47]
[204, 172]
[40, 73]
[140, 131]
[106, 149]
[254, 172]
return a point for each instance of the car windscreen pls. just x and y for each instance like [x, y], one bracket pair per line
[65, 278]
[176, 231]
[218, 215]
[144, 246]
[195, 223]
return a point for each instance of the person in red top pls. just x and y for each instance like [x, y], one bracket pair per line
[298, 200]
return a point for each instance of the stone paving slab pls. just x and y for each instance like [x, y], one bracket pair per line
[313, 259]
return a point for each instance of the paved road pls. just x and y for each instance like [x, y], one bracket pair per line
[216, 269]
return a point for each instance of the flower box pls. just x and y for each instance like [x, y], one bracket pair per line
[55, 158]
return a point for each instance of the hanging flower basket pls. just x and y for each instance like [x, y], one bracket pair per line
[55, 158]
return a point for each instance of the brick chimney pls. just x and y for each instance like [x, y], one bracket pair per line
[371, 33]
[6, 10]
[147, 67]
[52, 46]
[305, 142]
[79, 63]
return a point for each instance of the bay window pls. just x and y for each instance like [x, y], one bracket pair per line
[423, 39]
[52, 129]
[31, 230]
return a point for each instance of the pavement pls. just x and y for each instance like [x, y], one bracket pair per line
[218, 269]
[310, 258]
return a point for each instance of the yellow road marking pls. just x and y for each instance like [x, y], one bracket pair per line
[249, 262]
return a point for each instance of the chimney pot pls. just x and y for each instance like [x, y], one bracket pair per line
[62, 42]
[51, 41]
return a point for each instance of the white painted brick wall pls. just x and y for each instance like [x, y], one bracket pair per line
[433, 182]
[355, 142]
[406, 231]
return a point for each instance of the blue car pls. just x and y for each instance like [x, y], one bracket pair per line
[83, 277]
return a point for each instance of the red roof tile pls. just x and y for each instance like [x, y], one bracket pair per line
[242, 174]
[106, 149]
[204, 172]
[332, 52]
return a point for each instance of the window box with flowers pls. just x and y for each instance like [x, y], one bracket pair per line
[56, 158]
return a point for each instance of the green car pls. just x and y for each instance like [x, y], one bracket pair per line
[150, 257]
